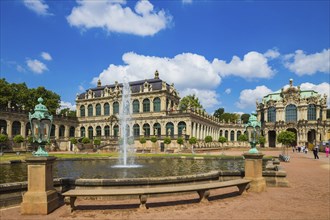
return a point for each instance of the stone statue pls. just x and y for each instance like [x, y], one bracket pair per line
[155, 132]
[184, 131]
[169, 132]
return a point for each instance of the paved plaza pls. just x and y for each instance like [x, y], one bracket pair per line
[308, 197]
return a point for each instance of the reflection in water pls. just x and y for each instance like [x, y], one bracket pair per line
[106, 169]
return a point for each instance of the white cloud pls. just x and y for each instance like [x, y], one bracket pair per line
[228, 91]
[303, 64]
[81, 88]
[323, 88]
[38, 6]
[272, 54]
[253, 65]
[187, 1]
[113, 16]
[67, 105]
[46, 56]
[208, 98]
[20, 69]
[36, 66]
[248, 97]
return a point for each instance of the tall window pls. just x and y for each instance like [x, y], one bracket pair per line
[311, 112]
[146, 105]
[170, 129]
[136, 106]
[232, 135]
[157, 104]
[71, 132]
[226, 134]
[238, 134]
[116, 130]
[157, 129]
[221, 133]
[271, 115]
[115, 108]
[291, 113]
[52, 131]
[90, 132]
[136, 130]
[107, 130]
[98, 109]
[146, 129]
[16, 129]
[82, 132]
[98, 131]
[62, 131]
[82, 111]
[181, 126]
[106, 109]
[90, 110]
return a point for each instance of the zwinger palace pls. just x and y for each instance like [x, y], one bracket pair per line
[155, 112]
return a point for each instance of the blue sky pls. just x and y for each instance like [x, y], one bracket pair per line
[228, 53]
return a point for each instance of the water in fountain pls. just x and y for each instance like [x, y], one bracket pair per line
[126, 157]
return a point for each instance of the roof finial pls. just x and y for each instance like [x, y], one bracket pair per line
[291, 82]
[156, 74]
[99, 83]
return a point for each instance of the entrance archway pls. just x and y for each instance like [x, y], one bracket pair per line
[295, 132]
[311, 136]
[272, 138]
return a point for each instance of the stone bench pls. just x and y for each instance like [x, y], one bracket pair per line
[202, 189]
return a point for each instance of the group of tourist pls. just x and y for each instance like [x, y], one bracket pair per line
[316, 149]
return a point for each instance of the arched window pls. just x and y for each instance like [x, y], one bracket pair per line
[106, 109]
[16, 129]
[311, 112]
[221, 133]
[90, 132]
[291, 113]
[82, 132]
[52, 131]
[146, 130]
[116, 130]
[238, 134]
[107, 130]
[156, 104]
[90, 110]
[98, 109]
[136, 106]
[115, 108]
[61, 131]
[98, 131]
[27, 129]
[71, 131]
[271, 115]
[3, 127]
[157, 129]
[136, 130]
[146, 105]
[82, 111]
[181, 126]
[226, 134]
[232, 135]
[170, 129]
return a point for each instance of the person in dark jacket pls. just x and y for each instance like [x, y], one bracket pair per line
[315, 152]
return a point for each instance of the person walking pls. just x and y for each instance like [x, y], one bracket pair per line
[315, 152]
[327, 150]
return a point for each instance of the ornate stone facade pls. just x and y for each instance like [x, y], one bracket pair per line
[303, 112]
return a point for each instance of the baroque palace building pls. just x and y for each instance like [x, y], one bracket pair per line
[154, 107]
[303, 112]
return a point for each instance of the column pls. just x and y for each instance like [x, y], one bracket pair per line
[9, 129]
[253, 172]
[23, 129]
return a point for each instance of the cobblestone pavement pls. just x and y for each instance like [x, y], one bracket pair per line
[307, 198]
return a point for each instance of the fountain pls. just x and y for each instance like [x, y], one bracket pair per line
[126, 157]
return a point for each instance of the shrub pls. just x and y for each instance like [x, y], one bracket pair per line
[30, 139]
[208, 139]
[179, 140]
[192, 140]
[97, 142]
[153, 139]
[73, 140]
[243, 137]
[167, 140]
[222, 139]
[85, 140]
[18, 139]
[143, 140]
[3, 138]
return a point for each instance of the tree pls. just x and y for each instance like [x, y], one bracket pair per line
[153, 139]
[245, 118]
[97, 142]
[85, 140]
[222, 140]
[73, 140]
[286, 138]
[190, 101]
[143, 140]
[192, 140]
[3, 139]
[218, 112]
[208, 139]
[167, 140]
[68, 112]
[179, 141]
[18, 139]
[261, 141]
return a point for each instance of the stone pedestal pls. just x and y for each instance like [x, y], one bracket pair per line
[253, 172]
[41, 197]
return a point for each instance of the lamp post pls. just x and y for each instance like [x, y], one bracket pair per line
[253, 131]
[41, 124]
